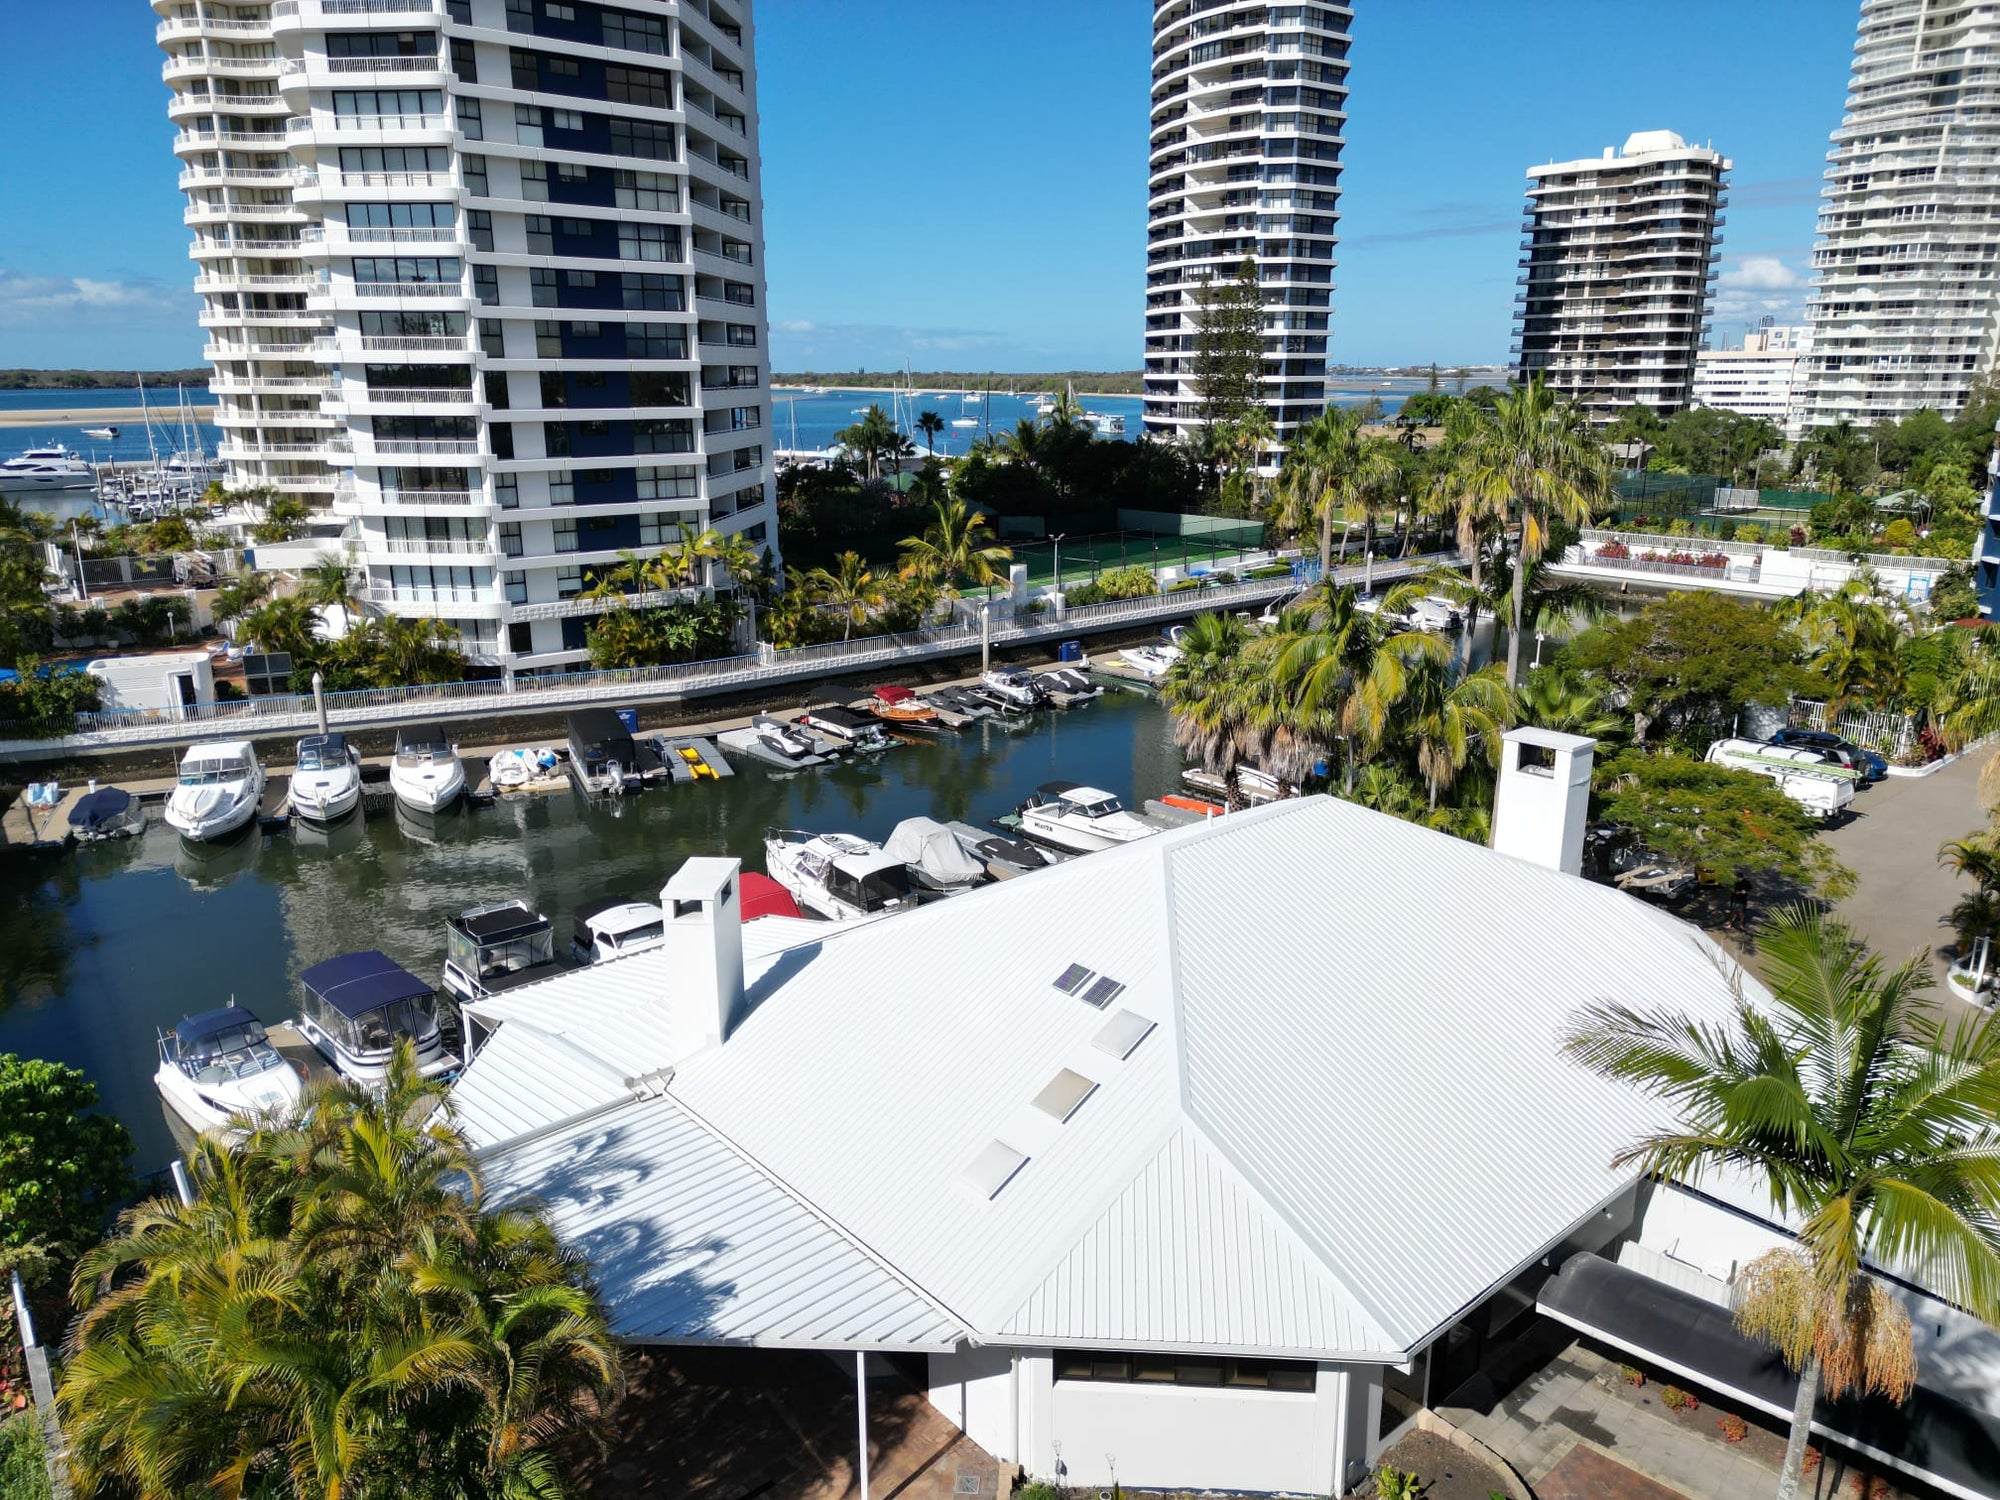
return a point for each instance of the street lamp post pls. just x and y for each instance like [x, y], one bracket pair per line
[1058, 540]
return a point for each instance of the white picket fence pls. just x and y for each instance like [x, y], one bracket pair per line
[1893, 734]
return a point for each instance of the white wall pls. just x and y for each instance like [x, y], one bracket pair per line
[975, 1389]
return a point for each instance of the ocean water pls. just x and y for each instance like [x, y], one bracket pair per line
[131, 444]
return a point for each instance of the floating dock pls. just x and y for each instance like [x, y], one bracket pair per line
[692, 758]
[39, 825]
[747, 742]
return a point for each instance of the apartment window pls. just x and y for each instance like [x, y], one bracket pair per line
[658, 528]
[400, 159]
[632, 33]
[655, 341]
[647, 190]
[563, 67]
[541, 234]
[636, 86]
[542, 286]
[1185, 1369]
[571, 173]
[507, 491]
[465, 66]
[407, 268]
[520, 633]
[479, 227]
[406, 325]
[555, 392]
[494, 381]
[743, 418]
[548, 340]
[521, 65]
[569, 582]
[565, 532]
[562, 488]
[555, 439]
[401, 216]
[736, 208]
[739, 293]
[649, 242]
[565, 119]
[740, 335]
[474, 168]
[521, 19]
[663, 435]
[659, 388]
[528, 125]
[580, 278]
[736, 250]
[643, 138]
[580, 229]
[510, 546]
[486, 286]
[674, 482]
[557, 12]
[415, 102]
[653, 293]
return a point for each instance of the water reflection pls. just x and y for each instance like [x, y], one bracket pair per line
[102, 946]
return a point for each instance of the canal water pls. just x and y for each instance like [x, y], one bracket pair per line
[102, 946]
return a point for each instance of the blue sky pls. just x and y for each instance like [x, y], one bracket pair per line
[961, 183]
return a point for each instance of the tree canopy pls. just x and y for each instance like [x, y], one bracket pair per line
[62, 1164]
[1228, 345]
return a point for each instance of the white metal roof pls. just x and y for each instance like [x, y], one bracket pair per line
[690, 1242]
[1348, 1121]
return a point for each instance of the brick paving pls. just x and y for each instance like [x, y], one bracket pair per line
[1586, 1474]
[723, 1424]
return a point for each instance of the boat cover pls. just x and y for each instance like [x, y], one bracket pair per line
[417, 738]
[356, 983]
[934, 849]
[764, 897]
[208, 1023]
[100, 809]
[894, 694]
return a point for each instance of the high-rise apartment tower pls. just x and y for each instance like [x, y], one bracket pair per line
[487, 276]
[1618, 270]
[1906, 269]
[1249, 101]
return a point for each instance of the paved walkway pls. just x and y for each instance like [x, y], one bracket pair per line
[1901, 893]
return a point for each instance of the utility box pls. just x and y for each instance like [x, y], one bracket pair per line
[1542, 802]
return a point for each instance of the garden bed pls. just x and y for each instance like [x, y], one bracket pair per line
[1445, 1471]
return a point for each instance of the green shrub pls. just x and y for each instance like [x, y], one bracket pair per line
[1082, 594]
[1749, 532]
[24, 1473]
[1899, 534]
[1127, 583]
[1272, 570]
[1223, 578]
[1397, 1484]
[1185, 585]
[1038, 1489]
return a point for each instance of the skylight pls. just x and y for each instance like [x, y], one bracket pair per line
[993, 1168]
[1065, 1094]
[1120, 1036]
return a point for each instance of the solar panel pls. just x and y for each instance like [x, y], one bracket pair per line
[1103, 992]
[1073, 978]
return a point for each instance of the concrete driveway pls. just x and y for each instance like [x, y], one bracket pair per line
[1901, 893]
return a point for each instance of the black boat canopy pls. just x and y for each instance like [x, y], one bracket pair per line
[94, 810]
[356, 983]
[501, 924]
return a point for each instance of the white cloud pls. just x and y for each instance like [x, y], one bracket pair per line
[26, 301]
[1761, 273]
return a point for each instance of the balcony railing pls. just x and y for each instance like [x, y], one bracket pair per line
[442, 546]
[382, 593]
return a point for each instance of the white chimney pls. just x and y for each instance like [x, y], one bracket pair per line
[1542, 801]
[703, 922]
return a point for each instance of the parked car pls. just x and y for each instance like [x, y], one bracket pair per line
[1872, 765]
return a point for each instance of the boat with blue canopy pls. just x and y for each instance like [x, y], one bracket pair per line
[356, 1007]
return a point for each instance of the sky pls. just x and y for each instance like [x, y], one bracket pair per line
[962, 183]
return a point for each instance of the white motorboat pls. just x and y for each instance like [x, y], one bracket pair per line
[103, 434]
[965, 421]
[846, 728]
[326, 781]
[496, 947]
[219, 1067]
[940, 863]
[357, 1007]
[1152, 662]
[426, 774]
[41, 470]
[218, 792]
[614, 927]
[511, 770]
[836, 875]
[1011, 687]
[1080, 819]
[1067, 686]
[1435, 613]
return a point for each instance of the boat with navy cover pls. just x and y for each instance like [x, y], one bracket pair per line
[106, 812]
[326, 778]
[495, 947]
[219, 1066]
[845, 727]
[602, 754]
[357, 1007]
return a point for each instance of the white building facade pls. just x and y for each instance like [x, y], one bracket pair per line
[1756, 380]
[526, 241]
[1618, 272]
[1248, 108]
[1907, 261]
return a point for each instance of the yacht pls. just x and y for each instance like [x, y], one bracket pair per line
[495, 947]
[356, 1007]
[1152, 662]
[426, 774]
[219, 789]
[603, 757]
[1010, 688]
[326, 780]
[1079, 819]
[45, 469]
[614, 927]
[103, 434]
[219, 1066]
[836, 875]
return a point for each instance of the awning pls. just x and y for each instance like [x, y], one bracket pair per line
[1931, 1437]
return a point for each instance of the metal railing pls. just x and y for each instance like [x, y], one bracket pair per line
[376, 707]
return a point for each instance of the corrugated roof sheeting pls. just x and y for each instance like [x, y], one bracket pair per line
[689, 1241]
[1393, 1059]
[527, 1080]
[1187, 1256]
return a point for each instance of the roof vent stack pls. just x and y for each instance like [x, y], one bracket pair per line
[702, 919]
[1543, 799]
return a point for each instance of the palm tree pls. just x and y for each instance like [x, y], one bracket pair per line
[1569, 703]
[411, 651]
[1872, 1126]
[850, 587]
[1318, 655]
[241, 595]
[1538, 462]
[1413, 701]
[330, 584]
[930, 424]
[958, 546]
[337, 1313]
[870, 440]
[1328, 467]
[1208, 695]
[285, 624]
[1851, 642]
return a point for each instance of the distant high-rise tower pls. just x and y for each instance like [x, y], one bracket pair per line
[486, 276]
[1618, 267]
[1249, 101]
[1903, 306]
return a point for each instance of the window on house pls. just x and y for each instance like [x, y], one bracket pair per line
[565, 119]
[655, 341]
[632, 33]
[637, 86]
[569, 582]
[1181, 1369]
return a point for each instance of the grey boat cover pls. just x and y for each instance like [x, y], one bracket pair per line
[935, 850]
